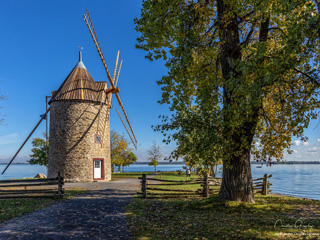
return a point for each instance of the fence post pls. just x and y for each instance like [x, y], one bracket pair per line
[206, 186]
[265, 185]
[60, 186]
[144, 186]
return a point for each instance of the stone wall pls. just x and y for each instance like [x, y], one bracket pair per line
[72, 148]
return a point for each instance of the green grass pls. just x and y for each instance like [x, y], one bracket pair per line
[210, 218]
[174, 176]
[130, 174]
[11, 208]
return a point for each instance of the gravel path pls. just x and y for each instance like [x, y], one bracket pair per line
[98, 214]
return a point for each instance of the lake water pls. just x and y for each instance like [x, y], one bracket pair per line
[300, 180]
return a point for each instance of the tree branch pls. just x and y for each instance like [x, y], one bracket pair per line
[264, 30]
[246, 42]
[276, 28]
[314, 81]
[245, 16]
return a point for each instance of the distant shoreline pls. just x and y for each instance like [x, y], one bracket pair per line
[143, 163]
[288, 162]
[161, 163]
[182, 163]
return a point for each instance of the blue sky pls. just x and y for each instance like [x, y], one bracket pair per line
[39, 48]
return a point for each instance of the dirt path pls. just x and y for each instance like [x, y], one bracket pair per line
[98, 214]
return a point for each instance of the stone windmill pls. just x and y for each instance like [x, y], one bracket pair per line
[79, 122]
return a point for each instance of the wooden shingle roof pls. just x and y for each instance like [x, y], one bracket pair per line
[79, 85]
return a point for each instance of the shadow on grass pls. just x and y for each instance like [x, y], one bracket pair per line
[212, 218]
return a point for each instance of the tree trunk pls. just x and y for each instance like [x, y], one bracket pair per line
[237, 180]
[236, 177]
[213, 173]
[119, 168]
[122, 169]
[238, 136]
[155, 168]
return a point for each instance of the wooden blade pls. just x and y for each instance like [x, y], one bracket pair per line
[97, 44]
[109, 91]
[109, 96]
[125, 114]
[99, 50]
[115, 67]
[118, 73]
[93, 28]
[126, 129]
[114, 75]
[43, 117]
[101, 105]
[111, 80]
[105, 124]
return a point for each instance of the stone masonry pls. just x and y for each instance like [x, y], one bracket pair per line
[72, 148]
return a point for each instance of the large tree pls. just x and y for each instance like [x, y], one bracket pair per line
[250, 67]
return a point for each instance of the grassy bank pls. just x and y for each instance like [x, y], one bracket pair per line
[130, 174]
[11, 208]
[271, 217]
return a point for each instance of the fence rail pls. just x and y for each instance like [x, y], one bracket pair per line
[32, 188]
[148, 190]
[260, 185]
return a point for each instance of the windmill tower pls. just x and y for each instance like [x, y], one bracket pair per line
[77, 149]
[79, 122]
[79, 146]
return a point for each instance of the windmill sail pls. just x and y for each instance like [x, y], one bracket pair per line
[112, 80]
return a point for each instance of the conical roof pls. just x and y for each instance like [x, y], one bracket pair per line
[79, 85]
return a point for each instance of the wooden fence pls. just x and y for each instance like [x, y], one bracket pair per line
[32, 188]
[262, 185]
[151, 191]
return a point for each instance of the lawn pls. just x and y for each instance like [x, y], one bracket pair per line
[271, 217]
[11, 208]
[130, 174]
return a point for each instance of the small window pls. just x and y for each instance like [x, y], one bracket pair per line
[97, 138]
[97, 164]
